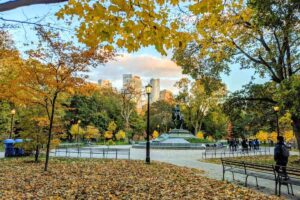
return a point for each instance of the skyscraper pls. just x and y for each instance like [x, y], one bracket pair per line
[104, 83]
[154, 96]
[133, 86]
[126, 79]
[166, 95]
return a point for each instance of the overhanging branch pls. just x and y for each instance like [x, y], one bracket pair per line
[10, 5]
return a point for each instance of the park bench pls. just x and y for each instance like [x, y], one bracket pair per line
[292, 177]
[261, 171]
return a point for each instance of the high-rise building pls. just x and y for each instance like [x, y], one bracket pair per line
[133, 85]
[104, 83]
[154, 96]
[166, 95]
[126, 79]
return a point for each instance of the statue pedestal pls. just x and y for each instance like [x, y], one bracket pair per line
[180, 133]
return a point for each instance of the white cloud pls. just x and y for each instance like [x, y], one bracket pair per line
[146, 66]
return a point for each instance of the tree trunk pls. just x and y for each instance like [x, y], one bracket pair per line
[50, 132]
[296, 126]
[37, 153]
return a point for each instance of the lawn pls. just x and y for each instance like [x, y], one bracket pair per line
[269, 159]
[111, 179]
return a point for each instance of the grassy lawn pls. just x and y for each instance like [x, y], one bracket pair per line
[293, 160]
[111, 179]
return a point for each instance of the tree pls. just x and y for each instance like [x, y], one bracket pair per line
[121, 135]
[9, 5]
[262, 136]
[155, 134]
[5, 119]
[273, 137]
[50, 74]
[76, 131]
[200, 135]
[204, 94]
[161, 115]
[130, 96]
[91, 132]
[98, 109]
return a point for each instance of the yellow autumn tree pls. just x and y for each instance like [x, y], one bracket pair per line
[273, 137]
[210, 138]
[262, 136]
[108, 135]
[77, 131]
[200, 135]
[155, 134]
[49, 75]
[121, 135]
[91, 132]
[289, 136]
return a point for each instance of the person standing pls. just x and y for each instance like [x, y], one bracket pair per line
[281, 156]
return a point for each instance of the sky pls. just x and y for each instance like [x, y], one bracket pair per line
[146, 63]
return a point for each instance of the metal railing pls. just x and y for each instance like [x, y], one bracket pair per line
[92, 152]
[240, 152]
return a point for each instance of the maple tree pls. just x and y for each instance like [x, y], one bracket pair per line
[262, 136]
[50, 74]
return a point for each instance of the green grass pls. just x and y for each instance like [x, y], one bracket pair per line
[2, 146]
[114, 143]
[294, 160]
[197, 140]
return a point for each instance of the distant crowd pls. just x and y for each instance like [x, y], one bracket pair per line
[246, 145]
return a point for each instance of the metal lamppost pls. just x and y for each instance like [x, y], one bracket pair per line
[148, 91]
[13, 112]
[78, 124]
[276, 110]
[158, 128]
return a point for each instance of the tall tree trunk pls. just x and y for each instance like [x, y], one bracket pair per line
[296, 126]
[50, 132]
[37, 153]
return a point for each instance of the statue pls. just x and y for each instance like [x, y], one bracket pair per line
[177, 117]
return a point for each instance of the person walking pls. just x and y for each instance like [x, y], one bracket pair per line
[281, 156]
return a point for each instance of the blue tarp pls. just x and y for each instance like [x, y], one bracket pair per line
[10, 150]
[9, 141]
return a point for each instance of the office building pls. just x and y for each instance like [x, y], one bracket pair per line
[154, 96]
[104, 83]
[166, 95]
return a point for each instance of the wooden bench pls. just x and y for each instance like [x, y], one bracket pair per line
[250, 170]
[290, 178]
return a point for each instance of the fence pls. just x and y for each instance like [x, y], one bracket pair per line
[226, 153]
[93, 152]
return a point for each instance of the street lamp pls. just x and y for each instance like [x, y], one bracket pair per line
[158, 128]
[78, 123]
[12, 112]
[148, 91]
[276, 110]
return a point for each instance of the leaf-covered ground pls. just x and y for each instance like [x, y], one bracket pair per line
[111, 179]
[269, 159]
